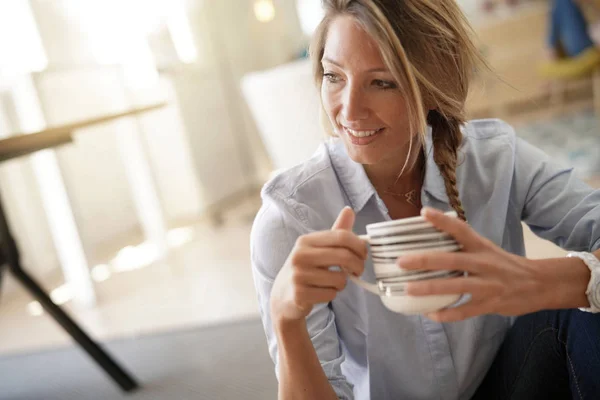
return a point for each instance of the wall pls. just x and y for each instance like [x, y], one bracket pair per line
[227, 150]
[74, 87]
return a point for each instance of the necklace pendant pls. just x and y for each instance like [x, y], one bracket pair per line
[411, 197]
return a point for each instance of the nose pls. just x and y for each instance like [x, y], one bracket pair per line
[354, 107]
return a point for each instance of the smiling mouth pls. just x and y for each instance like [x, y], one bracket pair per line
[362, 133]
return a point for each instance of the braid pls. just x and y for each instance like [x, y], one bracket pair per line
[446, 137]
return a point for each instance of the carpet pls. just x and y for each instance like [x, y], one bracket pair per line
[571, 140]
[217, 363]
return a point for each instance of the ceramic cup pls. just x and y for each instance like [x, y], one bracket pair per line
[392, 239]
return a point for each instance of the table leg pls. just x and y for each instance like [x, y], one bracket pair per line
[11, 255]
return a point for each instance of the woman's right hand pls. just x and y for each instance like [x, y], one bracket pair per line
[306, 280]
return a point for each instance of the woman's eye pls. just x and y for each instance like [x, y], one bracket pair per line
[331, 78]
[381, 84]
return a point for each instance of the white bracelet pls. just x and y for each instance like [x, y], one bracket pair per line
[593, 289]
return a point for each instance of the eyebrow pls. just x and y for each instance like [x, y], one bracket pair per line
[337, 64]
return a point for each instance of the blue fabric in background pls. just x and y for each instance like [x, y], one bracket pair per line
[568, 28]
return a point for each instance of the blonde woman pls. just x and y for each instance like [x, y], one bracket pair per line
[394, 75]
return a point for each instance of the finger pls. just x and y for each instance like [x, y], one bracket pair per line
[345, 219]
[460, 313]
[457, 228]
[312, 295]
[321, 278]
[337, 238]
[331, 256]
[445, 261]
[473, 285]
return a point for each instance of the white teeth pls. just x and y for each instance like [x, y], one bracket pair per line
[361, 133]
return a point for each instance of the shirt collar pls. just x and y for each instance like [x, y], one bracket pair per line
[357, 185]
[352, 175]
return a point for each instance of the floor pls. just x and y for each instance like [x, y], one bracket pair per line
[570, 139]
[188, 364]
[205, 281]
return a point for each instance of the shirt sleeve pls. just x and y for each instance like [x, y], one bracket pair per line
[557, 205]
[273, 236]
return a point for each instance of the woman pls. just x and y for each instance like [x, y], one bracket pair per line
[394, 76]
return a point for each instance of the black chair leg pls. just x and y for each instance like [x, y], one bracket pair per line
[116, 372]
[11, 255]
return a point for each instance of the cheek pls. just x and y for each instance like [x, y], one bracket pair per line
[394, 113]
[330, 103]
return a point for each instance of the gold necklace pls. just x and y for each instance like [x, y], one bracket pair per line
[413, 196]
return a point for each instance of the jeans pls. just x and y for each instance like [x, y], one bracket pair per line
[547, 355]
[568, 28]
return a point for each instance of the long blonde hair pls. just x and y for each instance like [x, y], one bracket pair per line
[427, 47]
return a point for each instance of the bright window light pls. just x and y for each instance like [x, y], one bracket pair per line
[310, 13]
[180, 30]
[116, 32]
[61, 294]
[25, 54]
[101, 273]
[35, 309]
[135, 257]
[264, 10]
[180, 236]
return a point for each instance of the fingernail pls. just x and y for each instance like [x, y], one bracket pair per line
[425, 211]
[403, 262]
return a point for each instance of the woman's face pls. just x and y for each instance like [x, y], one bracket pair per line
[361, 98]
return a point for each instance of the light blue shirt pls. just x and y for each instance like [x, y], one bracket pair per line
[369, 352]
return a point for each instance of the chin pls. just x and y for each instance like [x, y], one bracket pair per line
[363, 156]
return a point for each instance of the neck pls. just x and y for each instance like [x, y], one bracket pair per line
[385, 175]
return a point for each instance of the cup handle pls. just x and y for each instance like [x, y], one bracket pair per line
[369, 287]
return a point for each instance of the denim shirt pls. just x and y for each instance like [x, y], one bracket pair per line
[369, 352]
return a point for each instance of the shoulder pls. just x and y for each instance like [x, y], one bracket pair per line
[489, 143]
[490, 132]
[293, 204]
[493, 141]
[486, 162]
[289, 182]
[303, 191]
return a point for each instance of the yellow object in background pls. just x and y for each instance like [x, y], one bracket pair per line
[569, 68]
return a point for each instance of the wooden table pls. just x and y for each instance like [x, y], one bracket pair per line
[24, 144]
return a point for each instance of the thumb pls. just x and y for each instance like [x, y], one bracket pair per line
[345, 219]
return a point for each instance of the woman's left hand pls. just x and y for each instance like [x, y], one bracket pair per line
[498, 282]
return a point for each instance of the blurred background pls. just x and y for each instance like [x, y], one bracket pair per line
[139, 226]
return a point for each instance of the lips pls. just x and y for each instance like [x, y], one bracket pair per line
[362, 132]
[364, 136]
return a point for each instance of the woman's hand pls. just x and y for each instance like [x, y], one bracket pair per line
[499, 282]
[306, 280]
